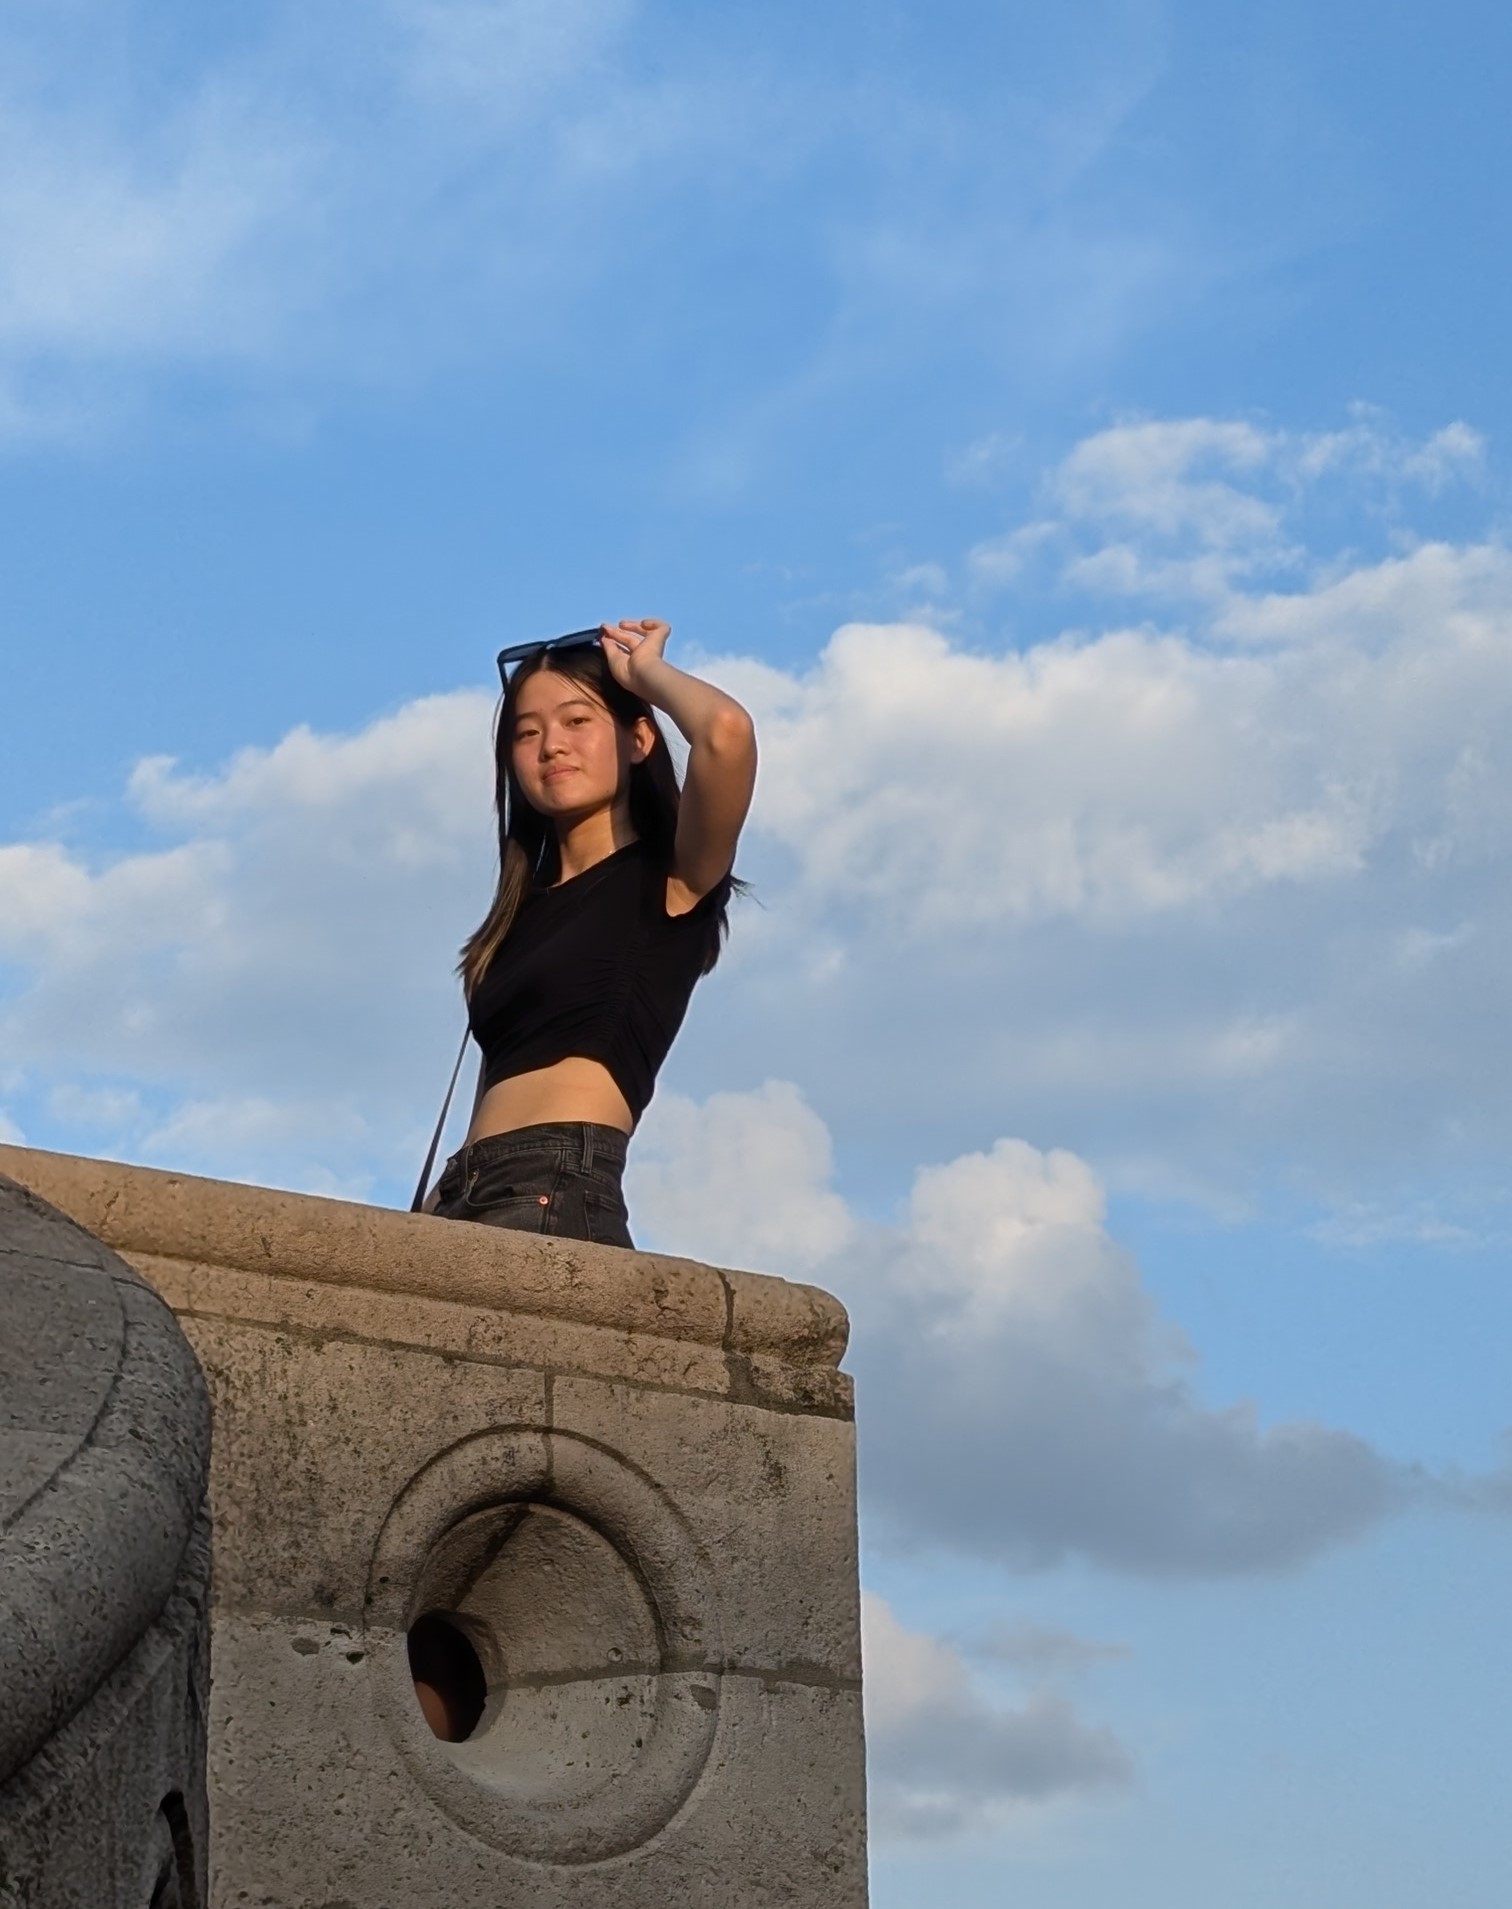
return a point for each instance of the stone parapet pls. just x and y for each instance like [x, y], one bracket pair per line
[601, 1503]
[104, 1577]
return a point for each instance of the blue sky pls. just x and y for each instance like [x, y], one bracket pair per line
[1082, 438]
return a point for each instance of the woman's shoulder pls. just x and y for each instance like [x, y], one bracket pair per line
[641, 878]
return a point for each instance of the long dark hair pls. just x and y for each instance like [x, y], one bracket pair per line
[529, 854]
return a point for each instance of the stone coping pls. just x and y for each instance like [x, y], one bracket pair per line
[104, 1459]
[143, 1211]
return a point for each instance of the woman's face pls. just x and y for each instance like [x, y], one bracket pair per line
[570, 756]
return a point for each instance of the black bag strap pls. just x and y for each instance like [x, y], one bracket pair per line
[417, 1204]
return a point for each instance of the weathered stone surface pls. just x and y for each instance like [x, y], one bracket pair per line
[626, 1481]
[104, 1576]
[110, 1813]
[334, 1243]
[760, 1489]
[316, 1438]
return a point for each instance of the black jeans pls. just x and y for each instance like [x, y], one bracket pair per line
[560, 1177]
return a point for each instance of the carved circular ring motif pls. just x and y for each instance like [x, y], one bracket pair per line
[582, 1592]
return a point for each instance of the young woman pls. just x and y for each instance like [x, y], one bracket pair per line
[612, 897]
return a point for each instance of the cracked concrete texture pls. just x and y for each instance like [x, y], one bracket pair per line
[626, 1480]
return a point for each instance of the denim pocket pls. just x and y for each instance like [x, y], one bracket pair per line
[521, 1213]
[503, 1182]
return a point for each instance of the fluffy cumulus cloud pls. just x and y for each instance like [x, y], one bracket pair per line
[1049, 1411]
[1123, 775]
[1175, 875]
[1215, 901]
[1192, 507]
[269, 996]
[1156, 902]
[945, 1755]
[1106, 780]
[1037, 1407]
[696, 1167]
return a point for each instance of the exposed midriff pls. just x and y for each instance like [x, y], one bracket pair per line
[573, 1089]
[578, 1007]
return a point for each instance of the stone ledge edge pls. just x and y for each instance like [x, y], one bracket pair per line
[302, 1236]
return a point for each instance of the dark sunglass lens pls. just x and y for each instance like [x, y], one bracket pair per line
[517, 652]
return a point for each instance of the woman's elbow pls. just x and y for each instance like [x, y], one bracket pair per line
[731, 733]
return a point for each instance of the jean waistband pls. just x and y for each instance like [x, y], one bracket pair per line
[579, 1145]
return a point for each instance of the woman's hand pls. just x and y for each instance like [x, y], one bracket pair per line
[629, 646]
[721, 768]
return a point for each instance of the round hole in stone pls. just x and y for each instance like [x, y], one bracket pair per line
[591, 1610]
[567, 1645]
[449, 1681]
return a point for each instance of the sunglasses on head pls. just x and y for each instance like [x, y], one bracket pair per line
[517, 652]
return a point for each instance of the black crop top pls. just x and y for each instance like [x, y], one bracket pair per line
[597, 968]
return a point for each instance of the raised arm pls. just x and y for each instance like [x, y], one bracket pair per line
[721, 738]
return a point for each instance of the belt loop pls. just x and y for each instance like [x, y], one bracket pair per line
[587, 1147]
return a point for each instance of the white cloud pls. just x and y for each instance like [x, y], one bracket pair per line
[1206, 914]
[1201, 916]
[271, 1000]
[1361, 1225]
[745, 1175]
[59, 913]
[302, 204]
[943, 1756]
[1186, 510]
[295, 1139]
[111, 249]
[1455, 453]
[400, 790]
[272, 997]
[1003, 559]
[983, 459]
[191, 233]
[1420, 608]
[1043, 1651]
[1226, 483]
[1128, 775]
[1155, 476]
[95, 1109]
[282, 199]
[989, 1229]
[1247, 872]
[1029, 1403]
[502, 59]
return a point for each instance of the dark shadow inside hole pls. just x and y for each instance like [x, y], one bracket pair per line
[449, 1680]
